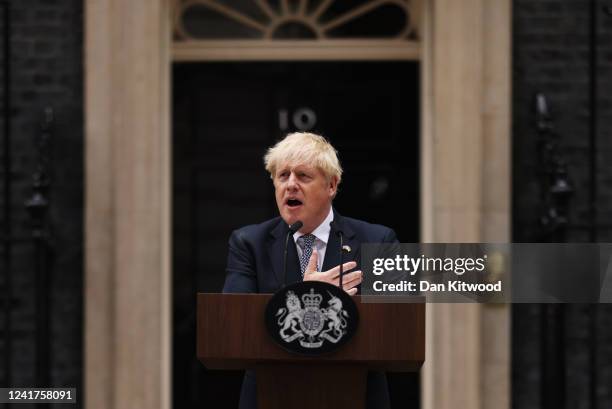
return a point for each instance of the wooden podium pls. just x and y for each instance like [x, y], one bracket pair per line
[231, 334]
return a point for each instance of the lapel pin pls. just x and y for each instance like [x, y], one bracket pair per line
[346, 248]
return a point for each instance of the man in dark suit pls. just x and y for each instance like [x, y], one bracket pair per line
[305, 170]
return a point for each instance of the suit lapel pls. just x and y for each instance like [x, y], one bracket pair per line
[332, 252]
[276, 249]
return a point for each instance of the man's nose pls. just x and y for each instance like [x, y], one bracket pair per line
[292, 182]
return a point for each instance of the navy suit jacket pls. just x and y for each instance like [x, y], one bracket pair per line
[255, 265]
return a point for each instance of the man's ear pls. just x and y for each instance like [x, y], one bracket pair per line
[333, 185]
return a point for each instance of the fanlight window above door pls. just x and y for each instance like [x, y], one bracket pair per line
[296, 19]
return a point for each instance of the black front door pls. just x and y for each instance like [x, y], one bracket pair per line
[225, 117]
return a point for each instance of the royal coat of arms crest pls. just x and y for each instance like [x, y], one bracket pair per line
[314, 318]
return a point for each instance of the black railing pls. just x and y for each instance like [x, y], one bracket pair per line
[37, 205]
[39, 243]
[7, 295]
[593, 191]
[555, 186]
[555, 193]
[39, 239]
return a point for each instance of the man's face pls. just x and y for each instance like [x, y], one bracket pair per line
[303, 193]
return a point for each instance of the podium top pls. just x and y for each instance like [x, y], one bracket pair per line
[231, 334]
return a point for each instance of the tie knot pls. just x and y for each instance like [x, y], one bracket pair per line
[306, 241]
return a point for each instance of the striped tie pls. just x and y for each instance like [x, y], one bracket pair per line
[305, 242]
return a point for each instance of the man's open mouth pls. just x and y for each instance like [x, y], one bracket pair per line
[293, 203]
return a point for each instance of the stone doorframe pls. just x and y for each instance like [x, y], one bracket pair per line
[465, 197]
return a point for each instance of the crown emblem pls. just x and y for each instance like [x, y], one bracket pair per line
[312, 300]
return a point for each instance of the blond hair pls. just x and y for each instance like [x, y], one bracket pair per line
[304, 148]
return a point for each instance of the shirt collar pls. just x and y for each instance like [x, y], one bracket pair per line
[322, 231]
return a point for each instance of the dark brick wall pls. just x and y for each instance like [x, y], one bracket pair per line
[604, 125]
[47, 71]
[552, 55]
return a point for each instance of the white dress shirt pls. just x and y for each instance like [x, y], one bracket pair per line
[322, 236]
